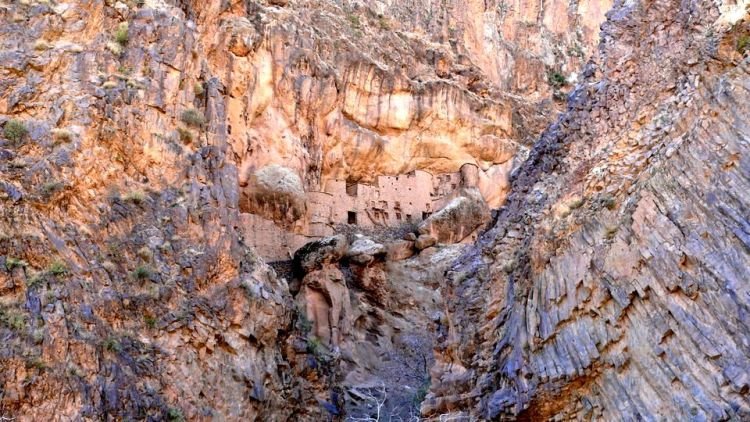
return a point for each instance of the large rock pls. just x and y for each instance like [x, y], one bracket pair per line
[457, 219]
[316, 254]
[274, 192]
[364, 250]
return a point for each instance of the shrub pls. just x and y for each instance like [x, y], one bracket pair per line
[112, 344]
[743, 43]
[150, 321]
[193, 117]
[109, 85]
[575, 203]
[421, 393]
[135, 197]
[354, 21]
[36, 362]
[186, 136]
[57, 267]
[12, 319]
[610, 231]
[41, 45]
[15, 130]
[175, 415]
[114, 48]
[62, 135]
[141, 272]
[305, 325]
[50, 188]
[11, 263]
[198, 89]
[35, 280]
[316, 348]
[121, 35]
[556, 79]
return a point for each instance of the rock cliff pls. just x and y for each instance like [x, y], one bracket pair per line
[618, 267]
[610, 280]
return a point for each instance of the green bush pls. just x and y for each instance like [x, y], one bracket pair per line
[193, 117]
[12, 319]
[556, 79]
[121, 35]
[141, 272]
[15, 130]
[11, 263]
[743, 43]
[150, 321]
[198, 89]
[57, 267]
[175, 415]
[112, 344]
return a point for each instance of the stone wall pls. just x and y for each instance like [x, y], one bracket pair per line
[389, 202]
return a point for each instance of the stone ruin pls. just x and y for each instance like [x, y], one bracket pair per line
[390, 202]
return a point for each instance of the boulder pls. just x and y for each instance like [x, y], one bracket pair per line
[274, 192]
[316, 254]
[458, 219]
[364, 250]
[400, 250]
[424, 241]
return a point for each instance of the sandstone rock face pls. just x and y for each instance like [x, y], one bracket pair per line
[617, 272]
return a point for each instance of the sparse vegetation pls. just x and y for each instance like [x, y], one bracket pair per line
[135, 197]
[15, 130]
[12, 319]
[610, 231]
[354, 21]
[606, 201]
[11, 263]
[556, 79]
[62, 135]
[316, 348]
[198, 89]
[186, 136]
[509, 266]
[41, 45]
[50, 188]
[35, 280]
[122, 34]
[421, 393]
[150, 321]
[37, 363]
[743, 43]
[141, 272]
[175, 415]
[57, 267]
[193, 117]
[304, 324]
[111, 344]
[109, 85]
[114, 48]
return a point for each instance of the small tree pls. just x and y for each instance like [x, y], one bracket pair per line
[15, 130]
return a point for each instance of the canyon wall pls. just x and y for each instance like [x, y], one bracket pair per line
[614, 283]
[142, 141]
